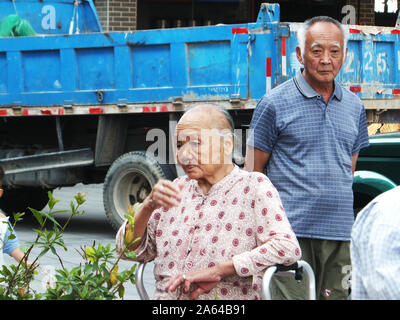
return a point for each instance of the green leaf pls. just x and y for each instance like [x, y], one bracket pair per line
[18, 216]
[48, 216]
[59, 211]
[80, 199]
[11, 236]
[89, 268]
[130, 254]
[84, 291]
[61, 243]
[130, 219]
[39, 232]
[53, 250]
[43, 253]
[52, 201]
[49, 234]
[38, 215]
[121, 291]
[31, 243]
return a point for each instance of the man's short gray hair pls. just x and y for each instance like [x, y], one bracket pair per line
[301, 33]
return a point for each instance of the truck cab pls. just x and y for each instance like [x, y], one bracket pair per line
[378, 168]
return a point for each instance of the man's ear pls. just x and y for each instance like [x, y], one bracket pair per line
[299, 55]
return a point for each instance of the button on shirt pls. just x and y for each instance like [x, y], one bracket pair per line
[375, 249]
[311, 145]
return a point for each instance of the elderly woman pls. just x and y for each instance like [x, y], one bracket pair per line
[214, 231]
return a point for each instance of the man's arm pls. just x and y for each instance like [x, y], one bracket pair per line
[354, 162]
[256, 160]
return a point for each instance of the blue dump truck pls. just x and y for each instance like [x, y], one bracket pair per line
[79, 105]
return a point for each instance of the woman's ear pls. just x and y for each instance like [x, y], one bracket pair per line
[228, 146]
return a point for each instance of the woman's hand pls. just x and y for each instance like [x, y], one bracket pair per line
[205, 279]
[164, 194]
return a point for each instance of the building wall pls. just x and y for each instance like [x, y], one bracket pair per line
[365, 14]
[117, 15]
[121, 15]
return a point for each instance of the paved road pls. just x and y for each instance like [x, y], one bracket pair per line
[82, 231]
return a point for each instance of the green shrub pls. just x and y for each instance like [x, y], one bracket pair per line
[96, 278]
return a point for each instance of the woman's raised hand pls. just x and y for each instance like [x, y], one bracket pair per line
[165, 194]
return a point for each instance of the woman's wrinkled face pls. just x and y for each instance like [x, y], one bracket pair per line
[201, 151]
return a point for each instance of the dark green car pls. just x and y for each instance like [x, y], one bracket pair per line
[378, 168]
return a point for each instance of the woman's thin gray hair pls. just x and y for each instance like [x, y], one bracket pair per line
[220, 108]
[301, 33]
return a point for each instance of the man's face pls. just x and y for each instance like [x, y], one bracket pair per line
[324, 52]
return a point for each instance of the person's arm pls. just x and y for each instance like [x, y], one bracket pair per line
[256, 159]
[164, 194]
[354, 163]
[205, 279]
[11, 243]
[276, 241]
[277, 245]
[362, 139]
[18, 255]
[262, 137]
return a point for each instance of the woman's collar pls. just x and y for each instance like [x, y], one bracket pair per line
[228, 180]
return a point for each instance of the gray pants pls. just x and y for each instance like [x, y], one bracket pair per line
[330, 261]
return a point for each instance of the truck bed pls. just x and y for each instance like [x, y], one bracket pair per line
[161, 70]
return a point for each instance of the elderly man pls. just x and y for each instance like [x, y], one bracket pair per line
[306, 136]
[213, 231]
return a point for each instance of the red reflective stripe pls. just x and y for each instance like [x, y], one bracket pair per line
[396, 91]
[284, 47]
[164, 108]
[268, 67]
[354, 30]
[355, 89]
[95, 110]
[395, 31]
[149, 109]
[240, 31]
[25, 112]
[49, 112]
[3, 112]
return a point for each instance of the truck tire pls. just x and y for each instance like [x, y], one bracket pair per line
[129, 180]
[18, 200]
